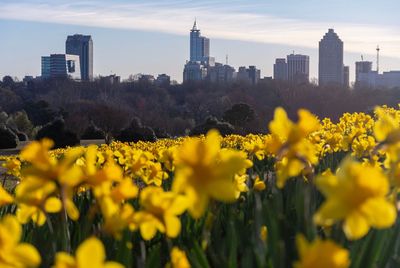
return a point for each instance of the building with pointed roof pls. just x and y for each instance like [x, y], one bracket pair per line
[330, 59]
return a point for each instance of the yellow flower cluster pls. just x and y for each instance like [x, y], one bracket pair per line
[147, 187]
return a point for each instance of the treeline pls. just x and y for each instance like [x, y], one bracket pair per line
[131, 111]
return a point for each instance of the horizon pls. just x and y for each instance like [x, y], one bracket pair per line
[129, 42]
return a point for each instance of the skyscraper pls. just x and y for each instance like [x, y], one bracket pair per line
[330, 59]
[362, 67]
[346, 76]
[82, 45]
[199, 45]
[64, 66]
[46, 67]
[280, 70]
[298, 68]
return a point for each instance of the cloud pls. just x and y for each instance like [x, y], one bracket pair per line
[224, 21]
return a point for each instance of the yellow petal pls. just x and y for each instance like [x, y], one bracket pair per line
[281, 125]
[173, 225]
[12, 226]
[24, 213]
[64, 260]
[329, 212]
[53, 205]
[71, 209]
[355, 226]
[5, 197]
[380, 212]
[27, 255]
[111, 264]
[222, 190]
[90, 253]
[148, 230]
[199, 205]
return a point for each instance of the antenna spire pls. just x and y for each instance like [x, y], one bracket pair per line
[195, 24]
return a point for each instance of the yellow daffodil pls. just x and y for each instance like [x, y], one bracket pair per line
[178, 259]
[90, 253]
[357, 194]
[387, 126]
[259, 185]
[240, 183]
[288, 142]
[264, 233]
[204, 171]
[5, 197]
[160, 211]
[320, 253]
[12, 252]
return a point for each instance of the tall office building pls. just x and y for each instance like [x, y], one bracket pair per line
[250, 75]
[194, 71]
[199, 45]
[46, 67]
[362, 67]
[200, 62]
[65, 66]
[82, 45]
[346, 76]
[330, 59]
[298, 68]
[280, 70]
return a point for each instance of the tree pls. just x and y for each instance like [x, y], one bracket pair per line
[136, 132]
[39, 112]
[239, 115]
[8, 139]
[110, 119]
[212, 123]
[56, 131]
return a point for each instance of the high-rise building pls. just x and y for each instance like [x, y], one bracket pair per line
[249, 75]
[82, 46]
[65, 66]
[199, 45]
[330, 59]
[280, 70]
[221, 74]
[46, 67]
[194, 71]
[298, 68]
[362, 67]
[346, 76]
[254, 74]
[373, 79]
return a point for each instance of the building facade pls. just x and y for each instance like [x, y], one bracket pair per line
[346, 76]
[249, 75]
[46, 67]
[362, 67]
[82, 46]
[330, 59]
[65, 66]
[281, 70]
[194, 71]
[221, 74]
[199, 45]
[298, 68]
[373, 79]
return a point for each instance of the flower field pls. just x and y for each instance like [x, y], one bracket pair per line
[312, 193]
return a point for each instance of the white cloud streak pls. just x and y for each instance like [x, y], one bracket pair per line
[216, 21]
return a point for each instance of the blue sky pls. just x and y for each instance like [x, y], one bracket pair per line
[152, 36]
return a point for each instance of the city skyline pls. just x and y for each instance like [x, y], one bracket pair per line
[136, 52]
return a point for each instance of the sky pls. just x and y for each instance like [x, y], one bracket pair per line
[152, 37]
